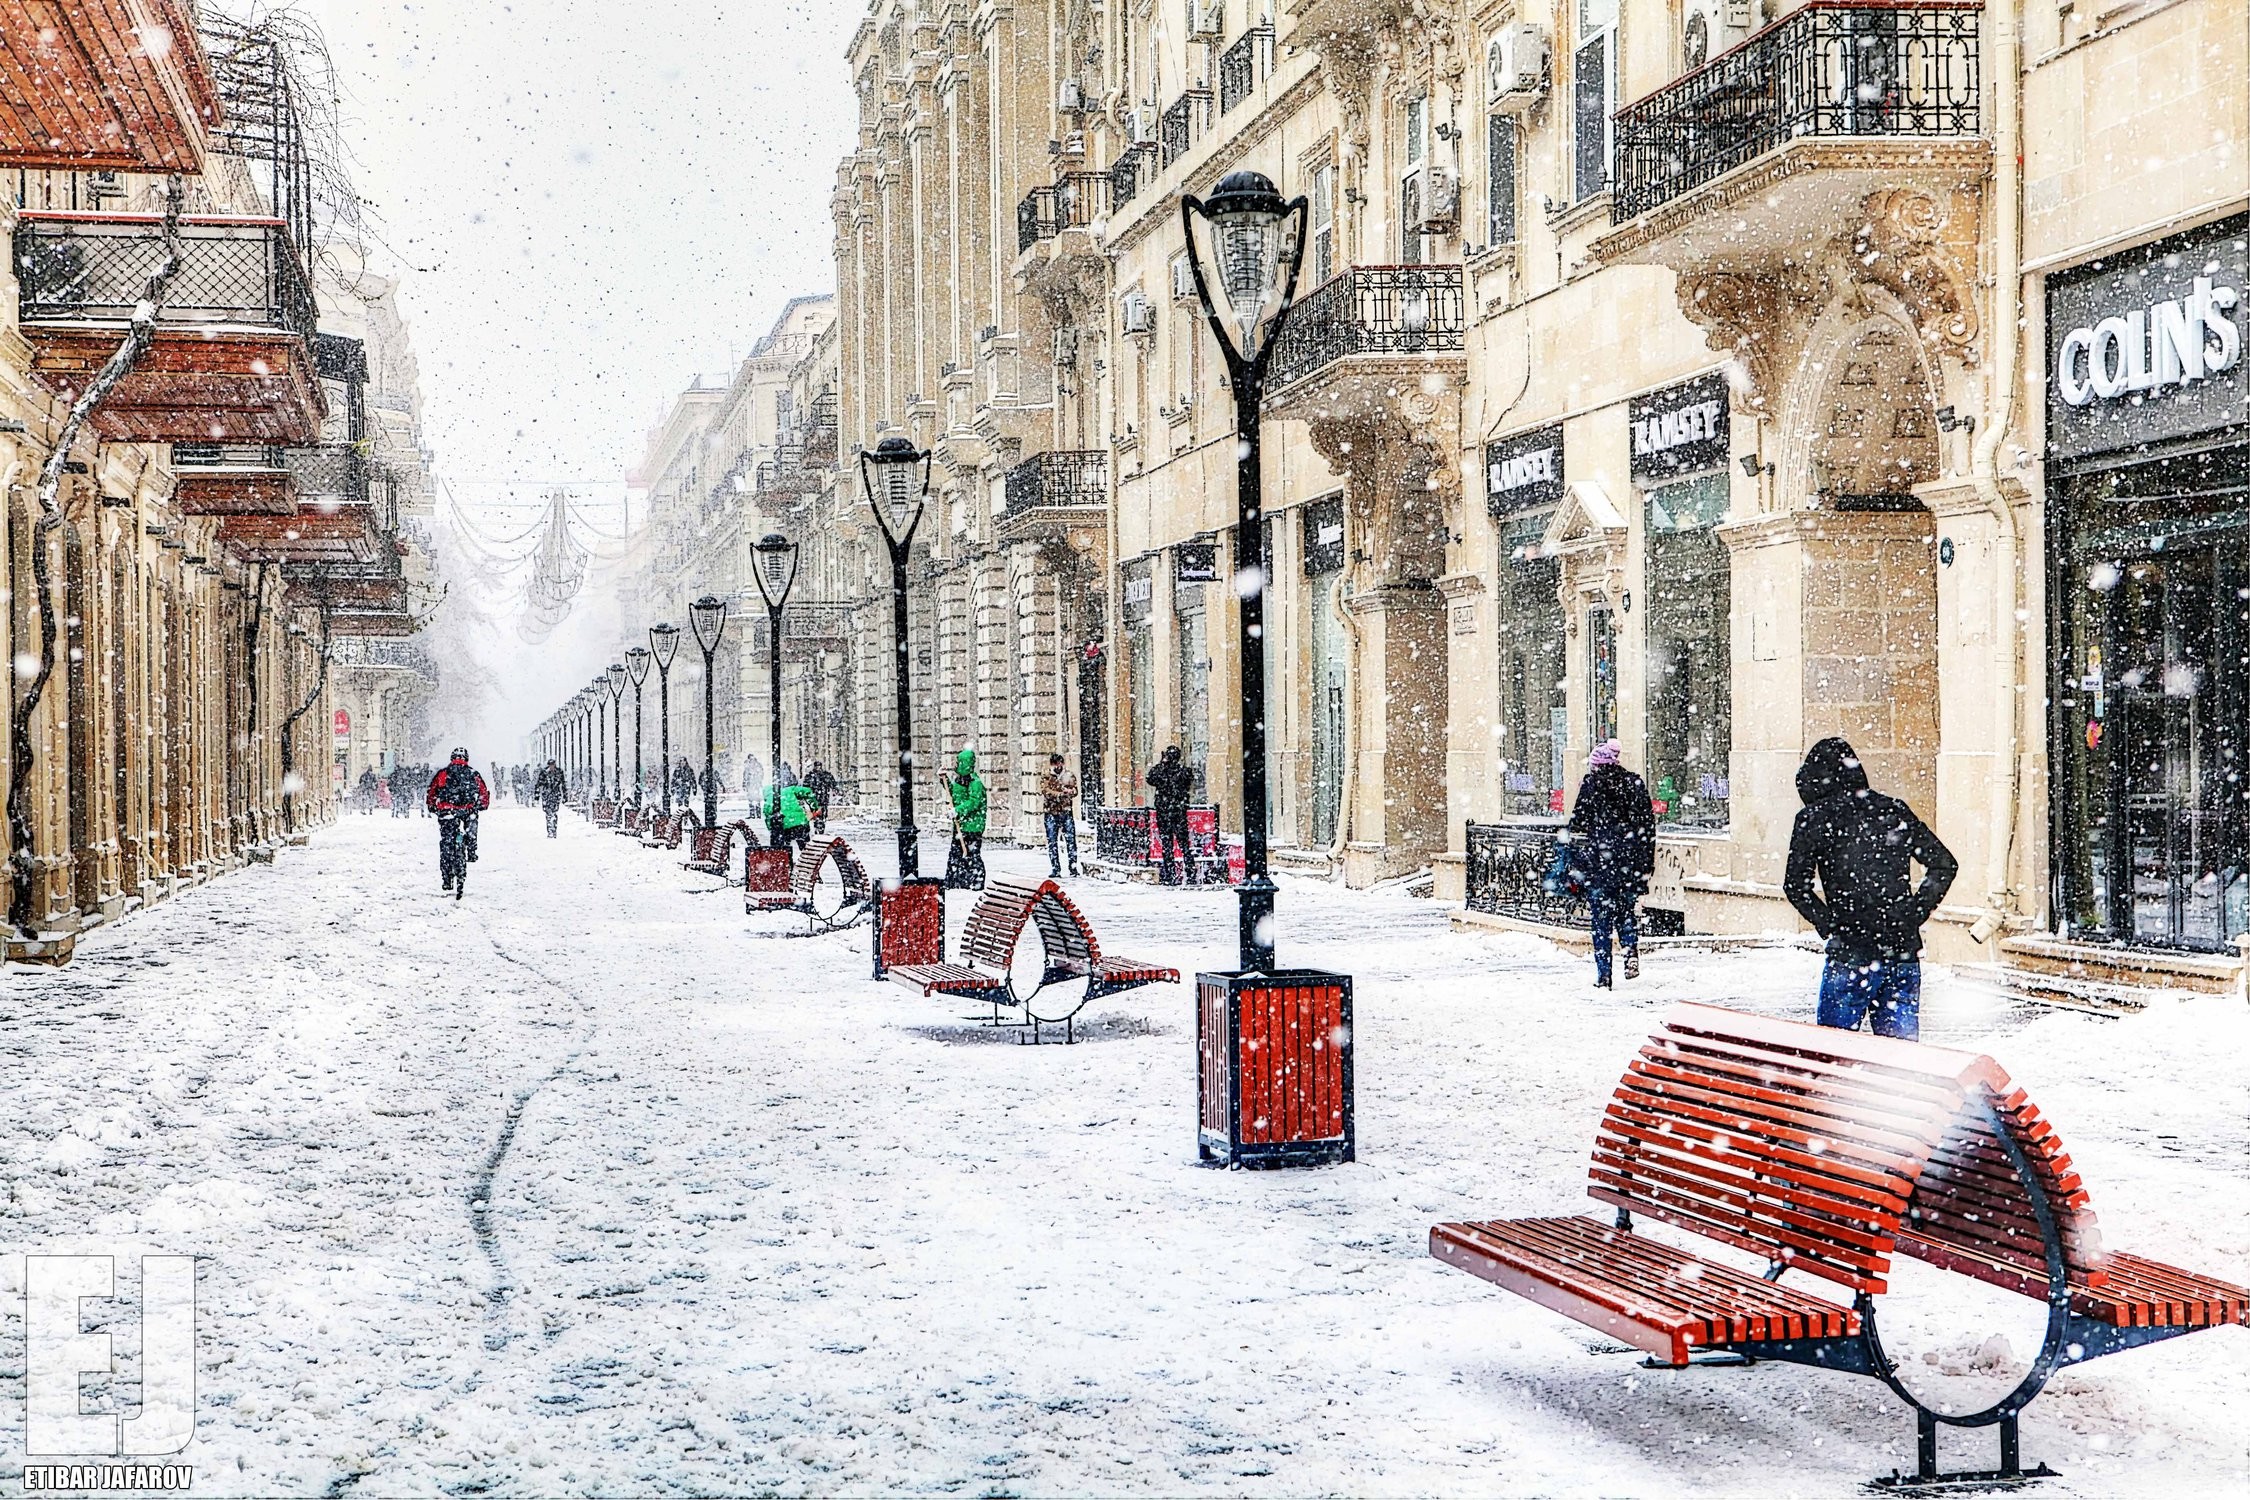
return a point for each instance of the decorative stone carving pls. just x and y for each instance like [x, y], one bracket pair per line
[1905, 247]
[1401, 484]
[1758, 319]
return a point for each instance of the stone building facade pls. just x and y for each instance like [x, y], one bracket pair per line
[206, 536]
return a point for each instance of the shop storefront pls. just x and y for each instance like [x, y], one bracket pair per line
[1523, 482]
[1138, 605]
[2148, 515]
[1680, 439]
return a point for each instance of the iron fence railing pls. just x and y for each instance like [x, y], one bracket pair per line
[95, 268]
[1132, 171]
[1073, 477]
[1507, 875]
[1372, 310]
[1074, 201]
[1826, 70]
[226, 456]
[1184, 119]
[329, 474]
[1127, 836]
[1249, 59]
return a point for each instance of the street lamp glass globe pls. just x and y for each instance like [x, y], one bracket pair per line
[665, 639]
[896, 475]
[708, 617]
[776, 566]
[616, 675]
[636, 663]
[1253, 251]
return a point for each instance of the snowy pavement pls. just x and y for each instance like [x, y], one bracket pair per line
[590, 1183]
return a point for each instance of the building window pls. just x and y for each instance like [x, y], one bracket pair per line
[1593, 95]
[1690, 686]
[1323, 247]
[1410, 188]
[1500, 181]
[1188, 604]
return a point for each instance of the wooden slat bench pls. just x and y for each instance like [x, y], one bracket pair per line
[713, 850]
[1827, 1152]
[663, 832]
[631, 821]
[1069, 952]
[805, 882]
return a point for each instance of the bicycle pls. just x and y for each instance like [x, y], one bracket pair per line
[453, 853]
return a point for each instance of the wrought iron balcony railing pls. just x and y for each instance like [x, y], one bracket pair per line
[330, 474]
[95, 268]
[1133, 171]
[1072, 478]
[1076, 200]
[1827, 70]
[1183, 120]
[226, 456]
[1372, 310]
[1249, 59]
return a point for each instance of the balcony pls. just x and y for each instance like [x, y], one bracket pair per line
[1369, 326]
[1133, 171]
[1054, 495]
[347, 536]
[1771, 145]
[1243, 65]
[1183, 123]
[231, 361]
[88, 94]
[329, 476]
[384, 655]
[808, 628]
[820, 432]
[232, 479]
[1078, 200]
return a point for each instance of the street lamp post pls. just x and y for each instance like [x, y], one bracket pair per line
[1298, 1069]
[636, 663]
[707, 616]
[896, 477]
[776, 573]
[598, 691]
[616, 677]
[663, 640]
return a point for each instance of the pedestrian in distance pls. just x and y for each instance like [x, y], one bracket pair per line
[1058, 800]
[788, 814]
[1173, 786]
[367, 794]
[683, 784]
[551, 790]
[455, 796]
[1859, 847]
[821, 782]
[964, 860]
[400, 784]
[1609, 851]
[754, 773]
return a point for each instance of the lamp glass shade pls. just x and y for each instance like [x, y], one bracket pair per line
[777, 566]
[1249, 256]
[897, 475]
[708, 617]
[664, 640]
[636, 663]
[616, 675]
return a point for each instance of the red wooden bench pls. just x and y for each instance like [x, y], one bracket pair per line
[988, 946]
[803, 893]
[663, 832]
[713, 850]
[1826, 1153]
[630, 821]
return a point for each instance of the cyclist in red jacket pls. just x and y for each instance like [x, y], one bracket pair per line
[457, 794]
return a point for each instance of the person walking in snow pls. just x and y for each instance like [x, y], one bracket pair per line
[1058, 800]
[1174, 787]
[1860, 847]
[1610, 849]
[401, 788]
[683, 784]
[551, 791]
[964, 862]
[821, 782]
[788, 813]
[367, 790]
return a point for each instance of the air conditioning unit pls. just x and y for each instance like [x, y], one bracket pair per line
[1207, 22]
[1710, 27]
[1140, 124]
[1441, 213]
[1074, 143]
[1516, 66]
[1135, 312]
[1183, 280]
[1072, 97]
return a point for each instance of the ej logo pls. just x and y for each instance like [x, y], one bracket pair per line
[57, 1351]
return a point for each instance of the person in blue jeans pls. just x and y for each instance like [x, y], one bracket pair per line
[1860, 848]
[1058, 799]
[1610, 849]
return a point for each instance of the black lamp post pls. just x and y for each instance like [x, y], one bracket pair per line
[598, 692]
[663, 640]
[636, 663]
[896, 477]
[1255, 242]
[1274, 1047]
[707, 616]
[776, 573]
[616, 676]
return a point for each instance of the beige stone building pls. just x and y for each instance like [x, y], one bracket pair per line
[209, 533]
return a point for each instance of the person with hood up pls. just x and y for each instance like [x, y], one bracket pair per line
[550, 789]
[1611, 850]
[367, 794]
[821, 782]
[683, 784]
[788, 814]
[1860, 847]
[1173, 787]
[964, 862]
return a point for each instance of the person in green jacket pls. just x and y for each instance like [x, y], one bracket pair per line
[964, 863]
[788, 814]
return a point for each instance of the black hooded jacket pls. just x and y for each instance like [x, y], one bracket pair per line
[1860, 846]
[1613, 831]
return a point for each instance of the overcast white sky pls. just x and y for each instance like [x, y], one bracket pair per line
[589, 203]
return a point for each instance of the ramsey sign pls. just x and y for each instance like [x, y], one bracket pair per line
[1523, 471]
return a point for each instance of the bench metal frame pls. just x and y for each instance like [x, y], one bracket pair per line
[802, 895]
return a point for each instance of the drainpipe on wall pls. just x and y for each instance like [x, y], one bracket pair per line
[1348, 792]
[2007, 283]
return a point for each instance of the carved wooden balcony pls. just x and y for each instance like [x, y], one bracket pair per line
[104, 86]
[233, 479]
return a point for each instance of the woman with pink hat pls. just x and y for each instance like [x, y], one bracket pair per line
[1611, 850]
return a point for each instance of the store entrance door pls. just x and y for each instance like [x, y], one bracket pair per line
[2167, 728]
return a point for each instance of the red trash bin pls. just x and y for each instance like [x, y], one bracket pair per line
[1274, 1068]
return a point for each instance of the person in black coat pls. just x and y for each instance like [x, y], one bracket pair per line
[1173, 786]
[551, 789]
[1612, 852]
[1860, 846]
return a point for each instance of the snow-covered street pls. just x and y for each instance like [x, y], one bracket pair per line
[590, 1183]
